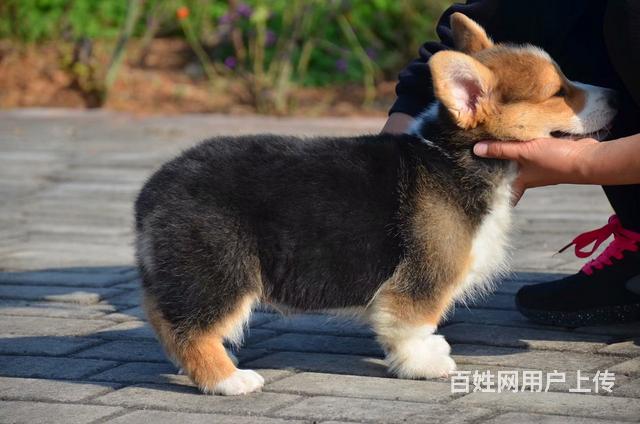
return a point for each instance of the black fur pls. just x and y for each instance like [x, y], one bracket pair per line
[323, 218]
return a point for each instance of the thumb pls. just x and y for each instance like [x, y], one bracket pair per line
[497, 149]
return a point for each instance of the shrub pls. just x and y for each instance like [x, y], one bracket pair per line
[270, 45]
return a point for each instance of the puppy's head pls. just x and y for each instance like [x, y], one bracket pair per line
[513, 92]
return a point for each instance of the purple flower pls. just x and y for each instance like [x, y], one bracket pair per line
[244, 10]
[270, 38]
[341, 65]
[225, 19]
[372, 53]
[231, 62]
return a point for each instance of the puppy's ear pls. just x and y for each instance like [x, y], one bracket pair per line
[468, 36]
[464, 86]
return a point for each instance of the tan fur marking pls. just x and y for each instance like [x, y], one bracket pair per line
[206, 361]
[441, 258]
[468, 36]
[161, 326]
[201, 354]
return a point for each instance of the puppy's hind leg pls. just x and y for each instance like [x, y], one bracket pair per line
[201, 353]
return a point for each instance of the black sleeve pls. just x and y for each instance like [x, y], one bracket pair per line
[414, 89]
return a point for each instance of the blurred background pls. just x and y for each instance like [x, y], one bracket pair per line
[295, 57]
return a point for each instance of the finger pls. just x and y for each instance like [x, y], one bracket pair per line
[498, 149]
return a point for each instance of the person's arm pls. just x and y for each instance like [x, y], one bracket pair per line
[398, 123]
[551, 161]
[414, 90]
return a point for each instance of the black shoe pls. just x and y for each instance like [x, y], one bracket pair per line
[598, 294]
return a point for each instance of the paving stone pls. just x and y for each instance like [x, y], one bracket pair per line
[56, 294]
[628, 348]
[523, 337]
[70, 178]
[129, 270]
[142, 330]
[532, 277]
[126, 350]
[253, 337]
[352, 409]
[54, 310]
[189, 399]
[494, 317]
[534, 359]
[50, 390]
[580, 405]
[61, 278]
[129, 285]
[495, 301]
[128, 330]
[54, 413]
[246, 354]
[29, 255]
[630, 389]
[629, 329]
[323, 324]
[43, 345]
[518, 417]
[630, 367]
[45, 326]
[322, 362]
[50, 367]
[259, 318]
[162, 417]
[363, 387]
[128, 313]
[163, 373]
[322, 343]
[128, 298]
[143, 372]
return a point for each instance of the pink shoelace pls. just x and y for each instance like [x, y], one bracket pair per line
[623, 240]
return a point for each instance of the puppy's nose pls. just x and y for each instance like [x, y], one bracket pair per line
[613, 100]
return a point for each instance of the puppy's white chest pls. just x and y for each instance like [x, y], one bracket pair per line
[489, 249]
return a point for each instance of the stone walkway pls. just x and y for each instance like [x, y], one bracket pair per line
[75, 347]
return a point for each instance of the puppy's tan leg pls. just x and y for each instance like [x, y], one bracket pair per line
[405, 327]
[202, 355]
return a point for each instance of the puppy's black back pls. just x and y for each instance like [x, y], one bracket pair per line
[311, 223]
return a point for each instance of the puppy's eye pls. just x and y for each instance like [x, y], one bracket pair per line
[560, 93]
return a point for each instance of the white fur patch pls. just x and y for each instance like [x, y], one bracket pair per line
[240, 382]
[428, 115]
[418, 353]
[235, 335]
[489, 249]
[596, 112]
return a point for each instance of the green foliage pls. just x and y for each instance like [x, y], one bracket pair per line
[39, 20]
[270, 44]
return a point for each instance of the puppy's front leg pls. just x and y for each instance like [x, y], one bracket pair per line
[405, 328]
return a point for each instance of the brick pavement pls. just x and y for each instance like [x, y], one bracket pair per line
[75, 348]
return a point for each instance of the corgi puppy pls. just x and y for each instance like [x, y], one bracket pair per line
[397, 227]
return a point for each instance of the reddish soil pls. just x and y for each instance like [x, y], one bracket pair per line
[169, 80]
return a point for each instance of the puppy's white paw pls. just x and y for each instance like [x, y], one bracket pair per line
[426, 357]
[240, 382]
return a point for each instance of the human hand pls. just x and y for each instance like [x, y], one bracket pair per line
[542, 162]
